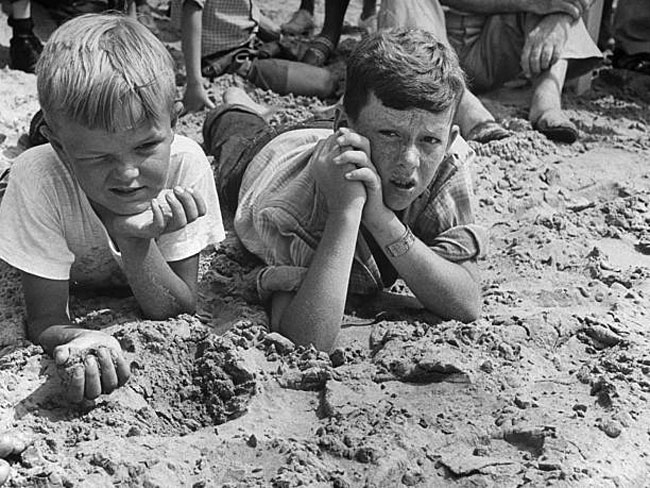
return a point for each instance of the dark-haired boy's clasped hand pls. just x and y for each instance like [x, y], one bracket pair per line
[355, 161]
[329, 170]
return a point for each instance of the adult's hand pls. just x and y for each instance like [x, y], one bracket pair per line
[544, 45]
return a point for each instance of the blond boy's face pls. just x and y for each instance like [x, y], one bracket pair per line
[121, 171]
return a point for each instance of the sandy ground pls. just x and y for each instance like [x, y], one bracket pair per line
[550, 387]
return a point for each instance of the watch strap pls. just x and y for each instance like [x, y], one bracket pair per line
[402, 245]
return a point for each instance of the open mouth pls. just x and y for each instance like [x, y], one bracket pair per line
[404, 184]
[126, 192]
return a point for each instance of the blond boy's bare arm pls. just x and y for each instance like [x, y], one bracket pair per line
[91, 360]
[162, 289]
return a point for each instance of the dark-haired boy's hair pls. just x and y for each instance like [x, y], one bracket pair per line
[404, 69]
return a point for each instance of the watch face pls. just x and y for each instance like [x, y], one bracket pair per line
[401, 246]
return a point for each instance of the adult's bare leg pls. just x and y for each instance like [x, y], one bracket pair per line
[476, 122]
[546, 114]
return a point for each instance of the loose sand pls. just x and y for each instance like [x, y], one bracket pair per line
[549, 387]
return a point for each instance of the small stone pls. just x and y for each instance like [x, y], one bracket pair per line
[611, 427]
[134, 431]
[338, 357]
[252, 441]
[411, 479]
[487, 366]
[549, 465]
[522, 402]
[579, 407]
[281, 343]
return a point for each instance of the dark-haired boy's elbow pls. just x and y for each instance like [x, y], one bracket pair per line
[469, 312]
[470, 315]
[188, 308]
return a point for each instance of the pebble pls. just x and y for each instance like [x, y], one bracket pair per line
[281, 343]
[252, 441]
[611, 427]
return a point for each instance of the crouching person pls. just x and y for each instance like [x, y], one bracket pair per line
[351, 204]
[114, 199]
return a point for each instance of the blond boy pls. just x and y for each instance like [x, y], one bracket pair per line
[114, 199]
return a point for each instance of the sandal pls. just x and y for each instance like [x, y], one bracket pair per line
[556, 127]
[318, 52]
[639, 62]
[486, 131]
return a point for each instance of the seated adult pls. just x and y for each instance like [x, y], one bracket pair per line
[545, 40]
[383, 190]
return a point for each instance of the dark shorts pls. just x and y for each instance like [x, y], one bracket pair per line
[233, 135]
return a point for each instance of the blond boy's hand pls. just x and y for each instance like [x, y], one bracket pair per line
[170, 211]
[91, 364]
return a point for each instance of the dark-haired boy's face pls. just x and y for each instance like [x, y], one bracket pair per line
[122, 171]
[407, 147]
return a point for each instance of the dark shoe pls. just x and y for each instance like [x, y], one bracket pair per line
[486, 131]
[319, 51]
[639, 62]
[557, 127]
[24, 51]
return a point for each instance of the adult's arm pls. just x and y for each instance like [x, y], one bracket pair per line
[574, 8]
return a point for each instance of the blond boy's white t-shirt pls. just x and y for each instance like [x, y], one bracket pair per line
[49, 229]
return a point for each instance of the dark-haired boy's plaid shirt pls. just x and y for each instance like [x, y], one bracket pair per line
[281, 214]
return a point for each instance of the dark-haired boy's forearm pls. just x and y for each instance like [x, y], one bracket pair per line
[314, 315]
[445, 288]
[160, 292]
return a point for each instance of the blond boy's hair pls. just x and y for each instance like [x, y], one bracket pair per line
[105, 71]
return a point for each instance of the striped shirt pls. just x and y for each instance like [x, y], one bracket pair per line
[226, 24]
[281, 215]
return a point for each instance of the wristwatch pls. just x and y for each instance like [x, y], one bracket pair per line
[401, 245]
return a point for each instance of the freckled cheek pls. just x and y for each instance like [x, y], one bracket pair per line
[385, 160]
[428, 168]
